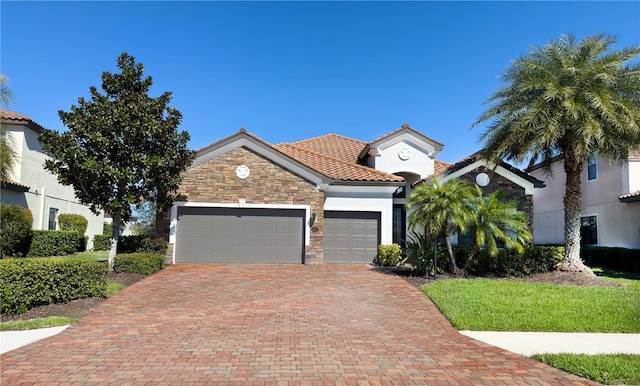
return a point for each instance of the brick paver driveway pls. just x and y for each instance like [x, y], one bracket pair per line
[284, 324]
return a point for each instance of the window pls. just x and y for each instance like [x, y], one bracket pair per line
[400, 193]
[592, 170]
[53, 216]
[399, 224]
[589, 230]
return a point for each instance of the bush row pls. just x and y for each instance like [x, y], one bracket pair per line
[612, 257]
[131, 244]
[31, 282]
[142, 263]
[508, 262]
[55, 243]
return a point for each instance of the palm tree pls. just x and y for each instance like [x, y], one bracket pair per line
[441, 208]
[496, 220]
[570, 99]
[7, 156]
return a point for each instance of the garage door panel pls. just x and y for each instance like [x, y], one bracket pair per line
[239, 235]
[351, 237]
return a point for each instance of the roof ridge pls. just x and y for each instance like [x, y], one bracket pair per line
[351, 164]
[327, 135]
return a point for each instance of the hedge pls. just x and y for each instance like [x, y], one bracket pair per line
[141, 243]
[54, 243]
[31, 282]
[142, 263]
[101, 242]
[78, 223]
[612, 257]
[508, 262]
[15, 230]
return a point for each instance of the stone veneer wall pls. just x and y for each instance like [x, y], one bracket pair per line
[513, 192]
[268, 183]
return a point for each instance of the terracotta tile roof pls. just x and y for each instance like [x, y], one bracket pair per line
[635, 196]
[8, 115]
[441, 166]
[333, 145]
[12, 185]
[335, 168]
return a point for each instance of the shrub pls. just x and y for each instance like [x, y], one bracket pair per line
[612, 257]
[142, 263]
[101, 242]
[15, 230]
[54, 243]
[28, 283]
[419, 253]
[141, 243]
[73, 222]
[389, 255]
[508, 262]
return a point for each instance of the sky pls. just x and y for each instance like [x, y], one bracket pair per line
[287, 71]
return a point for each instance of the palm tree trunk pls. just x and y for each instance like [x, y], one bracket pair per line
[447, 237]
[572, 211]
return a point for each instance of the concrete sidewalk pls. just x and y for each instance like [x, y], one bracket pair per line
[529, 343]
[11, 340]
[523, 343]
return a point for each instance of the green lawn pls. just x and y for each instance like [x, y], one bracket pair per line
[610, 369]
[91, 255]
[497, 305]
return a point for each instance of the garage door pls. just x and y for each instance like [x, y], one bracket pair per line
[351, 237]
[243, 235]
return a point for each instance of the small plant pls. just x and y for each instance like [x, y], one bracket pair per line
[15, 230]
[389, 255]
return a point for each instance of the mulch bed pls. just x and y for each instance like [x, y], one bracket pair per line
[81, 307]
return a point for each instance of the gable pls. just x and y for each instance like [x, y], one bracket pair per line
[243, 139]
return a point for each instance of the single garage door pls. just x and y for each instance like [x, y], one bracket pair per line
[351, 237]
[244, 235]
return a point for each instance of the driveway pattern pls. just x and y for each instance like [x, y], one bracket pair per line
[270, 324]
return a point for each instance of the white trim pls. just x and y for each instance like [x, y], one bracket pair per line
[527, 185]
[240, 204]
[374, 191]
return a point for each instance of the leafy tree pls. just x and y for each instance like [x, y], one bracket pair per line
[570, 99]
[121, 147]
[442, 208]
[496, 220]
[7, 155]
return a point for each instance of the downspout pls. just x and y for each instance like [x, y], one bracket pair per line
[44, 216]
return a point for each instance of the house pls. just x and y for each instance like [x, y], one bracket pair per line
[610, 203]
[33, 187]
[329, 199]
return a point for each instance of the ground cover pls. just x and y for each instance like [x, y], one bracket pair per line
[609, 369]
[517, 305]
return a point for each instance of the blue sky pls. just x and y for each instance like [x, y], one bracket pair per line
[292, 70]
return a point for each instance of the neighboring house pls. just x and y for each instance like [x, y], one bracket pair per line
[325, 199]
[33, 187]
[610, 203]
[127, 228]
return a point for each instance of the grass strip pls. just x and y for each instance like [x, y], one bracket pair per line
[497, 305]
[608, 369]
[51, 321]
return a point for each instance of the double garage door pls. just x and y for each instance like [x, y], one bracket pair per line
[243, 235]
[252, 235]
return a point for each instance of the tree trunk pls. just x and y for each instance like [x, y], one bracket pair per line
[472, 254]
[447, 237]
[572, 212]
[113, 241]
